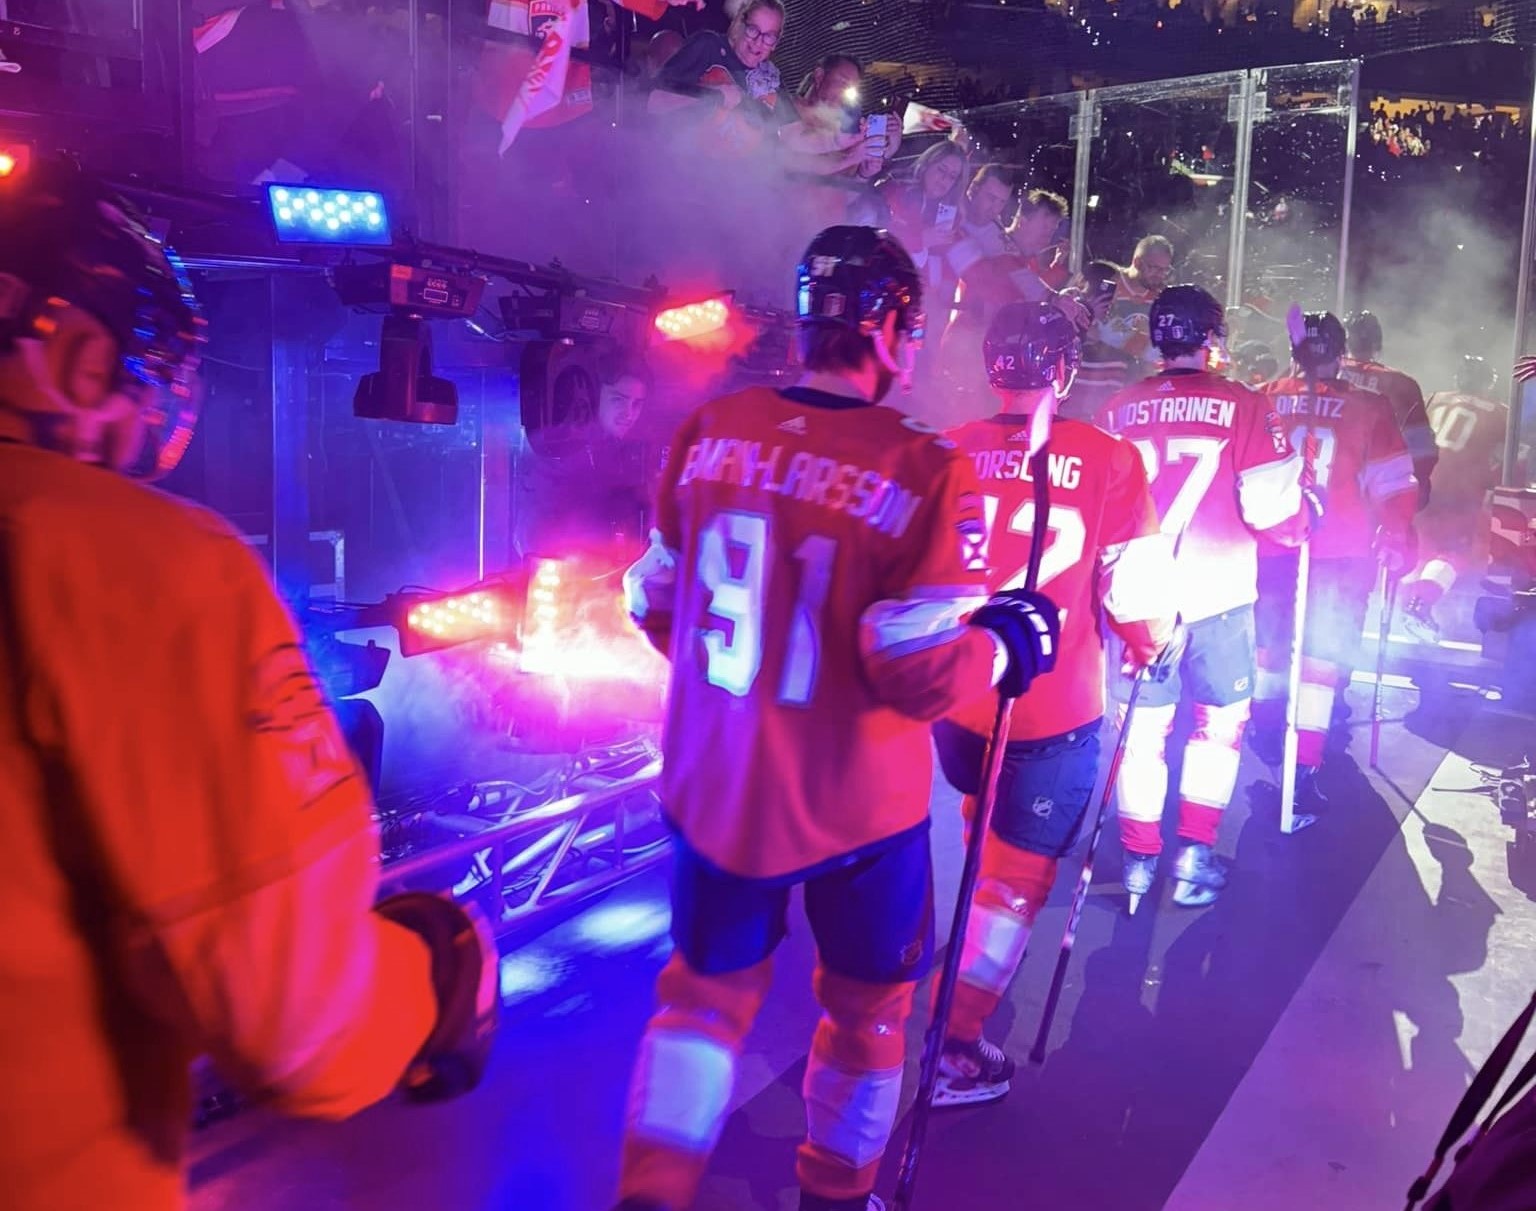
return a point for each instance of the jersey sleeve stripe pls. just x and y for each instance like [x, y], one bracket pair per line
[1270, 493]
[898, 628]
[1384, 477]
[650, 584]
[1138, 581]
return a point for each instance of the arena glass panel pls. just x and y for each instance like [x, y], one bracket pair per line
[1165, 160]
[1293, 245]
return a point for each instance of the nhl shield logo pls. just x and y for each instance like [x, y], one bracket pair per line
[1043, 807]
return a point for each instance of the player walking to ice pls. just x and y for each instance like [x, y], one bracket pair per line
[1106, 562]
[812, 567]
[1469, 428]
[1221, 473]
[1360, 468]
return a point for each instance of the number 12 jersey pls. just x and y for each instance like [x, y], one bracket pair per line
[1103, 552]
[813, 561]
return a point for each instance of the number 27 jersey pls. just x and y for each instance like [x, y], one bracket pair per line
[1221, 472]
[811, 568]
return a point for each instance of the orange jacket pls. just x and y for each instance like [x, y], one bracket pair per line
[189, 860]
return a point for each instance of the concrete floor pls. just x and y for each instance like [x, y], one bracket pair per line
[1299, 1044]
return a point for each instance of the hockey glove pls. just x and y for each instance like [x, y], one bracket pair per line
[1030, 630]
[465, 977]
[1171, 656]
[1397, 549]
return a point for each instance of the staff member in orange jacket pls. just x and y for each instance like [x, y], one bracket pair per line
[189, 862]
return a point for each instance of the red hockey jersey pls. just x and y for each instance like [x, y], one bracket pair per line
[1469, 431]
[811, 568]
[1356, 457]
[1408, 406]
[1221, 472]
[1105, 553]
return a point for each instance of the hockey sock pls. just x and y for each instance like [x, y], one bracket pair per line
[683, 1078]
[1143, 783]
[1210, 769]
[852, 1083]
[1314, 709]
[1013, 888]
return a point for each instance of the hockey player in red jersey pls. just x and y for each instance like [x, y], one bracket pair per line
[1359, 467]
[813, 564]
[1363, 368]
[190, 856]
[1221, 473]
[1106, 562]
[1469, 428]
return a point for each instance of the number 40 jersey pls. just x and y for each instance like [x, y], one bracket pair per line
[1221, 471]
[1104, 554]
[813, 562]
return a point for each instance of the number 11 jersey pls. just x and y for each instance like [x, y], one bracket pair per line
[813, 561]
[1221, 472]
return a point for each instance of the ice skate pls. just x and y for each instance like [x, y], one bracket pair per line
[1199, 877]
[1140, 869]
[971, 1074]
[1419, 620]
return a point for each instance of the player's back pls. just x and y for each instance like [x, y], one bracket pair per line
[793, 514]
[1220, 471]
[1103, 544]
[1356, 456]
[1407, 401]
[1469, 431]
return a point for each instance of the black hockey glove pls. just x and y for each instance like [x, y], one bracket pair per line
[465, 977]
[1030, 628]
[1168, 659]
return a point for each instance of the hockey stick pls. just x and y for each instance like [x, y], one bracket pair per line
[1080, 896]
[970, 874]
[1289, 821]
[1388, 599]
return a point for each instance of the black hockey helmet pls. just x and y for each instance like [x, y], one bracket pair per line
[1030, 346]
[1364, 334]
[67, 240]
[1183, 318]
[1320, 341]
[1475, 375]
[856, 276]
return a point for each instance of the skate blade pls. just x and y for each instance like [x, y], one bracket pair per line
[1134, 898]
[1299, 821]
[968, 1093]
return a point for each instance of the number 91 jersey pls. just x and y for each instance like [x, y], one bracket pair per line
[1221, 472]
[1104, 551]
[812, 565]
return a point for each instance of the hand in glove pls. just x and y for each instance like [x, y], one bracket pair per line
[1397, 549]
[466, 979]
[1030, 630]
[1167, 661]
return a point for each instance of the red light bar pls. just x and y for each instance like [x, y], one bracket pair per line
[444, 622]
[694, 319]
[15, 159]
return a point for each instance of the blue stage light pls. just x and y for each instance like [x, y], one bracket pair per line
[328, 216]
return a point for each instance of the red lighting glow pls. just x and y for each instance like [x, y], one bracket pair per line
[457, 618]
[14, 159]
[575, 629]
[694, 319]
